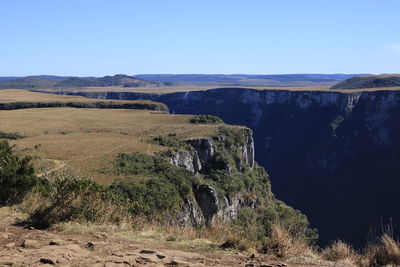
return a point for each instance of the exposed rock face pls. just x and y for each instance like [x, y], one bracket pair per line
[188, 160]
[208, 201]
[214, 207]
[208, 205]
[201, 158]
[233, 205]
[335, 156]
[191, 213]
[247, 152]
[204, 147]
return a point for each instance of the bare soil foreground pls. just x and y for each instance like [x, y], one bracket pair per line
[84, 246]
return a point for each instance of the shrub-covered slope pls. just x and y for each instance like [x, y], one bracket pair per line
[369, 81]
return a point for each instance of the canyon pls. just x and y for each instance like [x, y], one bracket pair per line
[332, 155]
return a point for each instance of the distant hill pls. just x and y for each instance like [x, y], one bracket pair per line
[369, 81]
[27, 83]
[247, 80]
[45, 77]
[49, 81]
[8, 78]
[116, 80]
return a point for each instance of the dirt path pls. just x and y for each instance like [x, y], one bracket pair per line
[59, 164]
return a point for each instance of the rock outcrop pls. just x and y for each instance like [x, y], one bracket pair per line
[209, 204]
[187, 159]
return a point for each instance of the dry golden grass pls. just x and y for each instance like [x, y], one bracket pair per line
[17, 95]
[340, 251]
[87, 140]
[386, 252]
[283, 245]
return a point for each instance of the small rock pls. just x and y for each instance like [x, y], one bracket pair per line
[160, 256]
[249, 265]
[172, 263]
[30, 244]
[89, 245]
[265, 265]
[47, 261]
[31, 228]
[56, 242]
[146, 251]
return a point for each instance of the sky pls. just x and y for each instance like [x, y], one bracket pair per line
[103, 37]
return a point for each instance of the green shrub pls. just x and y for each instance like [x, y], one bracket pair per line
[11, 136]
[170, 140]
[232, 136]
[155, 197]
[82, 200]
[155, 166]
[229, 183]
[276, 213]
[17, 175]
[205, 119]
[258, 225]
[164, 188]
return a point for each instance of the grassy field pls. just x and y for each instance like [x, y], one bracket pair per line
[86, 141]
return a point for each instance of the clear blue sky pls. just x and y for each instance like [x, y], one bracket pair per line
[96, 37]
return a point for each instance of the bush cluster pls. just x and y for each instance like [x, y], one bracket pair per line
[163, 188]
[258, 224]
[170, 140]
[205, 119]
[10, 136]
[255, 180]
[17, 175]
[80, 199]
